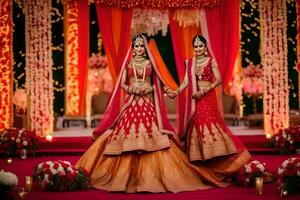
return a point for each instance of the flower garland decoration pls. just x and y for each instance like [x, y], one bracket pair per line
[20, 101]
[288, 176]
[8, 183]
[39, 78]
[274, 61]
[6, 74]
[187, 17]
[253, 80]
[286, 139]
[14, 139]
[249, 172]
[298, 46]
[60, 176]
[161, 4]
[150, 21]
[99, 80]
[71, 55]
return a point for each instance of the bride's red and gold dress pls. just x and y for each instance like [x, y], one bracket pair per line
[209, 141]
[138, 153]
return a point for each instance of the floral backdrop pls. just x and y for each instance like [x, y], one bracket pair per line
[250, 43]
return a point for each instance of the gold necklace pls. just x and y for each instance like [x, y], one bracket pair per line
[199, 67]
[138, 69]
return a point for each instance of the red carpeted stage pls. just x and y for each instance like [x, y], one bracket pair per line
[24, 168]
[70, 149]
[77, 145]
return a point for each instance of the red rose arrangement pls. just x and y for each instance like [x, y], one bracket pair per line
[60, 176]
[97, 61]
[14, 139]
[286, 139]
[249, 172]
[288, 176]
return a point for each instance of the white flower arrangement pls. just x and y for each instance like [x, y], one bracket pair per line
[8, 179]
[250, 171]
[60, 176]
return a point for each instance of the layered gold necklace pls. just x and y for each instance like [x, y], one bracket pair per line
[139, 65]
[199, 65]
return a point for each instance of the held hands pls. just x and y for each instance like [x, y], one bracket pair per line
[172, 94]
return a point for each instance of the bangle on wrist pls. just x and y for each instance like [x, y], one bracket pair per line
[167, 90]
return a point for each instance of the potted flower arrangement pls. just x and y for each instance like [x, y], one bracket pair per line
[8, 185]
[253, 82]
[249, 172]
[14, 139]
[286, 139]
[60, 176]
[288, 176]
[97, 61]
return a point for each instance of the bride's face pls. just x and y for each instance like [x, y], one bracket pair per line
[139, 48]
[199, 48]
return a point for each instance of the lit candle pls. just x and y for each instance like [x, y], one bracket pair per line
[268, 135]
[259, 185]
[23, 153]
[22, 195]
[49, 137]
[9, 161]
[28, 183]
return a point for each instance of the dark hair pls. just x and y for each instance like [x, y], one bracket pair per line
[200, 37]
[139, 35]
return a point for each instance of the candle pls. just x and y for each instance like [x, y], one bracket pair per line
[49, 137]
[268, 135]
[22, 194]
[9, 161]
[28, 183]
[259, 185]
[23, 153]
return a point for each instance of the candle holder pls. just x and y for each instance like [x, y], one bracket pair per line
[22, 194]
[259, 184]
[283, 193]
[23, 153]
[9, 161]
[28, 184]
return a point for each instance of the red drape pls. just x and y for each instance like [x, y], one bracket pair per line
[223, 30]
[183, 49]
[83, 51]
[115, 24]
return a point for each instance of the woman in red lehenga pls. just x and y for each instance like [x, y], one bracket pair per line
[209, 142]
[136, 149]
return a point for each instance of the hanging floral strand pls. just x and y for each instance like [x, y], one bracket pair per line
[6, 74]
[71, 55]
[39, 80]
[298, 46]
[274, 62]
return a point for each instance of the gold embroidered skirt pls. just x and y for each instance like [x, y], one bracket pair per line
[166, 170]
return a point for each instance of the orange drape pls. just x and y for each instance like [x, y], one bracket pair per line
[76, 29]
[161, 66]
[115, 24]
[83, 52]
